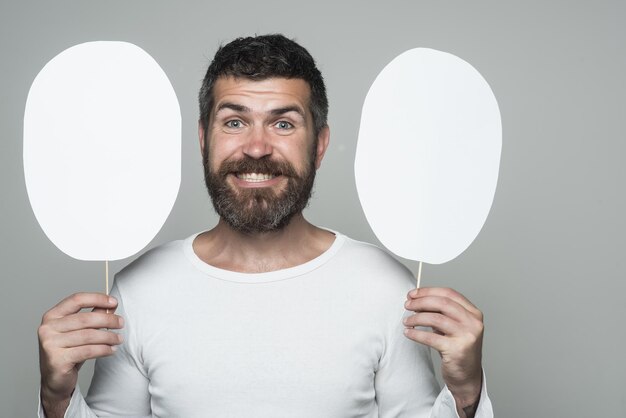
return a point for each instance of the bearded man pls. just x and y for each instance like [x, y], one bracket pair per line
[265, 315]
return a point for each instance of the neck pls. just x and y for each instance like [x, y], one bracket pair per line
[295, 244]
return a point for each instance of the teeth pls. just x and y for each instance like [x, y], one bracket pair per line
[254, 177]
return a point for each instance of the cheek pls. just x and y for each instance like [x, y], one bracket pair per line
[297, 153]
[213, 162]
[219, 150]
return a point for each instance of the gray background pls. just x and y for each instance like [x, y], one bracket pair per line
[547, 268]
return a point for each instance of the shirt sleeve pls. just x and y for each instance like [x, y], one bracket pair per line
[119, 387]
[120, 384]
[406, 386]
[445, 405]
[77, 407]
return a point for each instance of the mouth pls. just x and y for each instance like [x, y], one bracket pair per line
[256, 177]
[255, 180]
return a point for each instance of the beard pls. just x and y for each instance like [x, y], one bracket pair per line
[258, 209]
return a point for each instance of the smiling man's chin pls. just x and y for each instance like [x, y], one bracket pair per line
[258, 198]
[256, 209]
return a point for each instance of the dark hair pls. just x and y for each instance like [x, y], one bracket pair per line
[262, 57]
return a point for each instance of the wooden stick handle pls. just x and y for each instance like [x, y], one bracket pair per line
[419, 275]
[106, 279]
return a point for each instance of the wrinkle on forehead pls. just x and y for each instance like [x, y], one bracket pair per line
[264, 96]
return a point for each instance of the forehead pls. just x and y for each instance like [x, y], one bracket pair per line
[261, 95]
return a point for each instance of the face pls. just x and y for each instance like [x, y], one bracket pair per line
[259, 152]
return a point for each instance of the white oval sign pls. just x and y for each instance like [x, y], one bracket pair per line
[102, 149]
[428, 155]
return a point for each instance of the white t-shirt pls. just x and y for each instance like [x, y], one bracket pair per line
[323, 339]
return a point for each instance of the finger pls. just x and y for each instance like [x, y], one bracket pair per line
[448, 293]
[84, 320]
[440, 305]
[428, 338]
[87, 337]
[103, 310]
[80, 354]
[439, 323]
[78, 301]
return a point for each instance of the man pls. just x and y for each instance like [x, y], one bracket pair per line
[265, 315]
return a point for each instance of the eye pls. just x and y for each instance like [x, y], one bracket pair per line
[283, 125]
[234, 124]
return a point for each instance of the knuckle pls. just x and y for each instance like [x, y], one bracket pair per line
[480, 315]
[476, 324]
[470, 339]
[411, 334]
[48, 316]
[105, 320]
[110, 338]
[115, 338]
[435, 320]
[111, 321]
[95, 351]
[90, 351]
[428, 338]
[440, 321]
[448, 291]
[42, 332]
[480, 327]
[47, 345]
[84, 320]
[81, 298]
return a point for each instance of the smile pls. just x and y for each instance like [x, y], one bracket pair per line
[255, 177]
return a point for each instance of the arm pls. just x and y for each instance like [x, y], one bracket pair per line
[456, 333]
[119, 386]
[405, 382]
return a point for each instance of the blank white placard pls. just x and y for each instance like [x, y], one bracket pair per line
[428, 155]
[102, 149]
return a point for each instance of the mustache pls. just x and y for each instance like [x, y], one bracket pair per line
[260, 165]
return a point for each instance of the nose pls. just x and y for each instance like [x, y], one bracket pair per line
[258, 144]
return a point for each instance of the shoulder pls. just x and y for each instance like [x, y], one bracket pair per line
[374, 267]
[156, 266]
[370, 256]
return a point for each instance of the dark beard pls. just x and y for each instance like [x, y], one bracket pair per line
[258, 209]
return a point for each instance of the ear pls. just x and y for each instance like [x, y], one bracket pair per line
[322, 145]
[201, 137]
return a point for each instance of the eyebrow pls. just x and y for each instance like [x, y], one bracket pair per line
[287, 109]
[233, 106]
[274, 112]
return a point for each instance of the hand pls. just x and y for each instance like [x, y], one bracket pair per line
[68, 337]
[457, 334]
